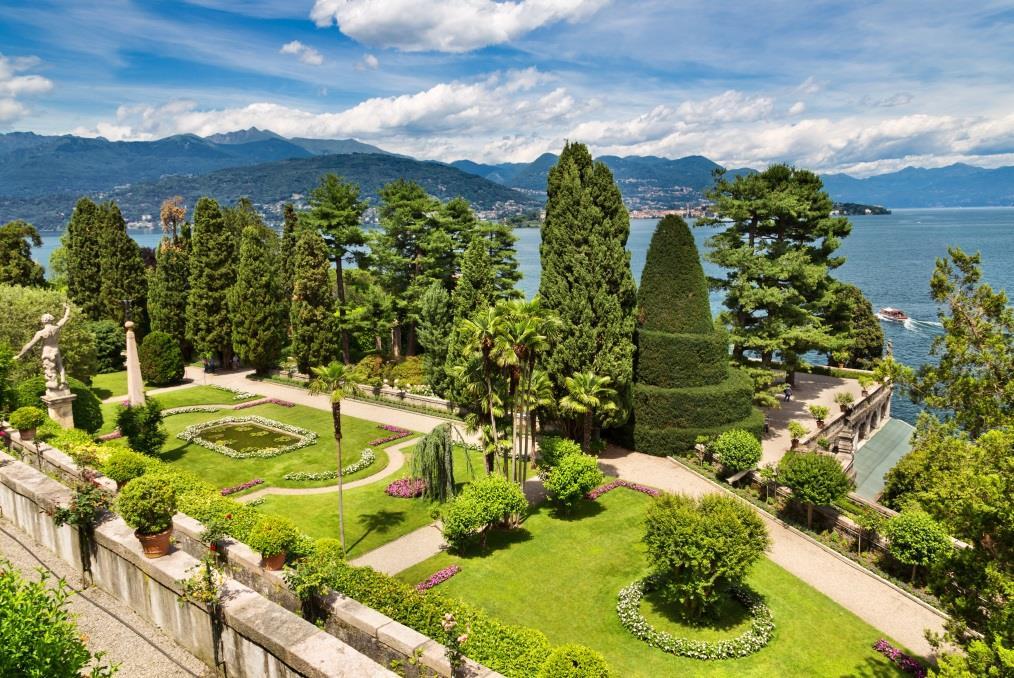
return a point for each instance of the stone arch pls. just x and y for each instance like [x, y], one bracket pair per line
[862, 429]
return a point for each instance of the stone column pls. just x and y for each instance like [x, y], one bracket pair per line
[135, 384]
[60, 405]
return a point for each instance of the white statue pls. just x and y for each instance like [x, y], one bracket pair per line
[52, 362]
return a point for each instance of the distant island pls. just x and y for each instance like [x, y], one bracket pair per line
[855, 209]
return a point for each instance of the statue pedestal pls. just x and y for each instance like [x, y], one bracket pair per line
[61, 408]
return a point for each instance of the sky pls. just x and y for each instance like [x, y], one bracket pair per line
[861, 87]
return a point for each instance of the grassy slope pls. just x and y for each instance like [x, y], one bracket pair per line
[109, 384]
[562, 576]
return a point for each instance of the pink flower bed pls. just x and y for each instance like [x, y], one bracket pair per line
[902, 660]
[396, 433]
[111, 436]
[226, 491]
[438, 578]
[406, 488]
[602, 489]
[264, 401]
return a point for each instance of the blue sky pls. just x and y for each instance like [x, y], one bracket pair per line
[863, 87]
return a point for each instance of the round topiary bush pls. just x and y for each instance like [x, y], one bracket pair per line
[87, 407]
[737, 449]
[552, 449]
[147, 504]
[25, 418]
[272, 535]
[124, 465]
[574, 661]
[575, 476]
[161, 360]
[486, 502]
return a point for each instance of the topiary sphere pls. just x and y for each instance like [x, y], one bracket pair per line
[574, 661]
[737, 449]
[161, 360]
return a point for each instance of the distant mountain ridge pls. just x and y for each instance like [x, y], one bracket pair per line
[957, 185]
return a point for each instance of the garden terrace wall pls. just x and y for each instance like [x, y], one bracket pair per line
[52, 461]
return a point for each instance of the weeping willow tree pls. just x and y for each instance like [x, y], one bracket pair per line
[433, 461]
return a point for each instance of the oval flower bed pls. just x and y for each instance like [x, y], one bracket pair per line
[628, 608]
[364, 461]
[192, 434]
[406, 488]
[438, 577]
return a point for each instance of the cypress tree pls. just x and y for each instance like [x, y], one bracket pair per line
[312, 314]
[684, 386]
[168, 291]
[259, 314]
[287, 253]
[499, 241]
[84, 258]
[212, 273]
[586, 278]
[436, 324]
[123, 275]
[476, 290]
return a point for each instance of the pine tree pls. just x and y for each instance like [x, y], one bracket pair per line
[16, 265]
[460, 223]
[312, 313]
[336, 211]
[212, 274]
[499, 240]
[586, 278]
[84, 258]
[287, 254]
[170, 281]
[850, 317]
[123, 274]
[436, 323]
[684, 387]
[259, 314]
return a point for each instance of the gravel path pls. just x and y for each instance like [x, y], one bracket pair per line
[107, 624]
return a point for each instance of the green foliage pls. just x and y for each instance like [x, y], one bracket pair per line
[122, 270]
[797, 430]
[287, 252]
[586, 278]
[272, 535]
[700, 548]
[142, 426]
[681, 360]
[433, 461]
[312, 311]
[86, 407]
[436, 326]
[575, 476]
[259, 313]
[553, 449]
[486, 502]
[857, 329]
[8, 396]
[169, 289]
[407, 371]
[161, 360]
[574, 661]
[27, 417]
[16, 265]
[498, 240]
[673, 296]
[680, 441]
[38, 634]
[124, 465]
[212, 273]
[844, 399]
[84, 258]
[738, 450]
[109, 345]
[814, 478]
[819, 412]
[147, 504]
[589, 396]
[916, 539]
[84, 509]
[697, 406]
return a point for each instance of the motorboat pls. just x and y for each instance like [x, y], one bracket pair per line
[893, 314]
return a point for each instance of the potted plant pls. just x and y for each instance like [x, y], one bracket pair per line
[844, 400]
[123, 466]
[865, 381]
[272, 537]
[797, 431]
[147, 504]
[819, 413]
[26, 420]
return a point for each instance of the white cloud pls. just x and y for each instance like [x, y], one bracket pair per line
[797, 108]
[445, 26]
[13, 86]
[369, 62]
[899, 99]
[809, 86]
[305, 53]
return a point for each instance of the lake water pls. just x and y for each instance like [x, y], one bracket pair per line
[890, 258]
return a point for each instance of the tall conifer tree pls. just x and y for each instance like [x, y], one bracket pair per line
[312, 314]
[287, 254]
[212, 274]
[259, 313]
[499, 241]
[84, 258]
[476, 290]
[16, 265]
[436, 324]
[170, 281]
[123, 274]
[586, 277]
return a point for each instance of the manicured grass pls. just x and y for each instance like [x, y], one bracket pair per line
[110, 384]
[192, 395]
[562, 575]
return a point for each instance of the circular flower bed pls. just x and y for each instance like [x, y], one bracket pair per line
[192, 434]
[628, 607]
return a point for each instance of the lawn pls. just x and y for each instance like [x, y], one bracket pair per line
[109, 384]
[562, 575]
[193, 395]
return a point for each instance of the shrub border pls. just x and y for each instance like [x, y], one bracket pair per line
[192, 434]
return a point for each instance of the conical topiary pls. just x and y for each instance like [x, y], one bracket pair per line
[683, 387]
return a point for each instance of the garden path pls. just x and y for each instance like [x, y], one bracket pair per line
[868, 596]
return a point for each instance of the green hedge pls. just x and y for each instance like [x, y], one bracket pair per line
[673, 295]
[677, 360]
[86, 407]
[677, 441]
[696, 406]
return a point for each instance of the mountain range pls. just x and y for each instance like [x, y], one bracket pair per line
[41, 176]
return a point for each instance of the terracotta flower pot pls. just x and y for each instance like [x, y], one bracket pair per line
[155, 545]
[275, 562]
[820, 423]
[795, 443]
[27, 433]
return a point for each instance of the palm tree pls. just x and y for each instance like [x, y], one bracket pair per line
[587, 395]
[480, 334]
[337, 380]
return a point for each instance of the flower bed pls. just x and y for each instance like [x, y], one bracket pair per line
[438, 578]
[364, 461]
[264, 401]
[397, 433]
[602, 489]
[226, 491]
[902, 660]
[192, 434]
[111, 436]
[188, 409]
[407, 488]
[628, 608]
[237, 394]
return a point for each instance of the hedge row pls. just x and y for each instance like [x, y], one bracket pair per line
[696, 406]
[86, 407]
[673, 295]
[676, 441]
[677, 360]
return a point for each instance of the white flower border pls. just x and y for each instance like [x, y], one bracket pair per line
[238, 394]
[628, 608]
[187, 409]
[192, 434]
[364, 461]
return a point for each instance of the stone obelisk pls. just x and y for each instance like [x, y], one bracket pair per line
[135, 384]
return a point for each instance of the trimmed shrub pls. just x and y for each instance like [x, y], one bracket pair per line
[814, 478]
[696, 406]
[737, 449]
[161, 360]
[553, 449]
[574, 661]
[575, 476]
[147, 504]
[86, 407]
[142, 426]
[916, 539]
[124, 465]
[272, 535]
[675, 441]
[27, 417]
[677, 360]
[489, 501]
[673, 295]
[110, 340]
[408, 371]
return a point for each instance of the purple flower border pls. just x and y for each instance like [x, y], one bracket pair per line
[406, 488]
[900, 659]
[226, 491]
[264, 401]
[438, 577]
[608, 487]
[397, 433]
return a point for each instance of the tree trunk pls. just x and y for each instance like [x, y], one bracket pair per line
[336, 416]
[410, 351]
[587, 432]
[378, 343]
[346, 354]
[912, 581]
[809, 516]
[396, 342]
